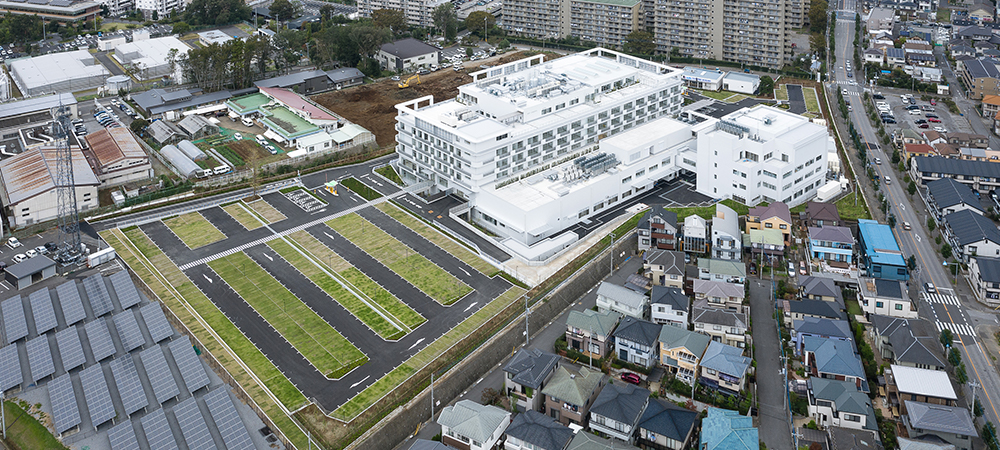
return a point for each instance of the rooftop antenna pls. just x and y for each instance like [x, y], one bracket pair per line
[69, 217]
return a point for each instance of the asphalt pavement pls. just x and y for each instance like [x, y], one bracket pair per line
[772, 404]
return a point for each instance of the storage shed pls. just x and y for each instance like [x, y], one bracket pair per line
[184, 165]
[30, 271]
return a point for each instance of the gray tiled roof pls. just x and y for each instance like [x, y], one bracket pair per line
[573, 384]
[667, 419]
[669, 217]
[980, 68]
[989, 269]
[621, 402]
[712, 288]
[852, 439]
[823, 327]
[820, 308]
[292, 79]
[670, 296]
[472, 420]
[344, 74]
[969, 227]
[423, 444]
[716, 316]
[726, 359]
[407, 48]
[672, 261]
[830, 233]
[639, 331]
[844, 394]
[36, 264]
[587, 441]
[775, 209]
[914, 341]
[950, 167]
[835, 356]
[940, 418]
[824, 287]
[948, 192]
[674, 337]
[601, 323]
[888, 288]
[530, 367]
[621, 294]
[823, 211]
[539, 430]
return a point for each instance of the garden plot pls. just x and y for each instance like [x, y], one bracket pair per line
[194, 230]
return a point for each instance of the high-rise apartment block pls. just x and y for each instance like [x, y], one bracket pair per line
[539, 19]
[606, 22]
[417, 12]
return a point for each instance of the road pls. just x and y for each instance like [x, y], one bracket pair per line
[946, 311]
[772, 415]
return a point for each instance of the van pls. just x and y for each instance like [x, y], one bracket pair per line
[260, 139]
[203, 173]
[220, 170]
[247, 122]
[888, 180]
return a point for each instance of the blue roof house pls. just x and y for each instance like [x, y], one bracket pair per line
[723, 429]
[880, 252]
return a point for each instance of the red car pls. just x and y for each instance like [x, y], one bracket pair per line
[934, 103]
[923, 125]
[934, 120]
[630, 377]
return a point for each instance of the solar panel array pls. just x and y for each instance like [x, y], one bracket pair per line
[129, 386]
[192, 425]
[13, 319]
[127, 295]
[95, 391]
[40, 358]
[10, 367]
[164, 386]
[192, 370]
[72, 305]
[123, 436]
[70, 348]
[41, 308]
[234, 432]
[158, 432]
[97, 293]
[128, 330]
[156, 322]
[65, 413]
[100, 339]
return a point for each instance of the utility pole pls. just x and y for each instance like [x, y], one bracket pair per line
[972, 406]
[432, 395]
[486, 29]
[611, 256]
[527, 335]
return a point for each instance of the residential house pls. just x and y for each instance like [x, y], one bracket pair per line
[589, 331]
[696, 238]
[720, 294]
[933, 137]
[681, 351]
[913, 444]
[724, 368]
[722, 270]
[818, 288]
[850, 439]
[820, 214]
[879, 251]
[875, 55]
[620, 299]
[980, 77]
[665, 426]
[924, 61]
[990, 104]
[669, 306]
[617, 411]
[839, 403]
[905, 136]
[589, 441]
[952, 424]
[533, 430]
[570, 393]
[664, 267]
[799, 309]
[723, 429]
[424, 444]
[985, 275]
[962, 50]
[658, 229]
[834, 359]
[819, 328]
[527, 372]
[905, 384]
[979, 154]
[635, 341]
[972, 234]
[345, 77]
[895, 57]
[911, 150]
[833, 245]
[907, 342]
[727, 241]
[947, 150]
[886, 297]
[880, 21]
[981, 12]
[948, 196]
[766, 241]
[775, 216]
[970, 140]
[981, 176]
[407, 54]
[727, 327]
[467, 425]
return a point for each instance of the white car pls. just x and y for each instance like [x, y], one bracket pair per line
[31, 253]
[791, 269]
[19, 258]
[238, 136]
[845, 92]
[13, 243]
[940, 129]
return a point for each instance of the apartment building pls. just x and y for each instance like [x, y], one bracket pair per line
[539, 19]
[417, 12]
[606, 22]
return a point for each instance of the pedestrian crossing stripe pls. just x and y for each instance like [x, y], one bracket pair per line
[943, 299]
[956, 328]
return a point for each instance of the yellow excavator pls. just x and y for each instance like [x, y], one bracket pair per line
[406, 83]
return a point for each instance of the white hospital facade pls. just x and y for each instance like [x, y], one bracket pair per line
[537, 147]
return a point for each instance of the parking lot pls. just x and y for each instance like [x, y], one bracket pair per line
[904, 119]
[90, 40]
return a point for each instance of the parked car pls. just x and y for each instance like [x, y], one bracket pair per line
[934, 120]
[13, 243]
[19, 258]
[923, 125]
[920, 121]
[41, 250]
[238, 136]
[931, 115]
[630, 377]
[791, 269]
[802, 268]
[31, 253]
[888, 121]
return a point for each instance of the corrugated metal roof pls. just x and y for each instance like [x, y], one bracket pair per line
[111, 145]
[33, 172]
[31, 105]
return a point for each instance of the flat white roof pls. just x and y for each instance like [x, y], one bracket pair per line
[704, 75]
[151, 52]
[39, 71]
[934, 383]
[768, 122]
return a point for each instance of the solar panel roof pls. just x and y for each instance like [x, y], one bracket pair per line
[14, 322]
[128, 330]
[192, 425]
[95, 391]
[41, 309]
[97, 293]
[65, 413]
[10, 367]
[192, 370]
[99, 337]
[69, 300]
[129, 386]
[40, 358]
[231, 427]
[70, 348]
[125, 289]
[158, 372]
[156, 322]
[122, 436]
[158, 432]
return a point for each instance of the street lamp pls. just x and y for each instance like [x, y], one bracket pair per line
[946, 264]
[486, 29]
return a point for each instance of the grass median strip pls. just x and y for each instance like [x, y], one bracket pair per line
[335, 263]
[268, 212]
[390, 173]
[384, 327]
[454, 248]
[325, 348]
[194, 229]
[440, 285]
[244, 217]
[361, 189]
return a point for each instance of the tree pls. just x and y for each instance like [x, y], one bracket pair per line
[946, 251]
[468, 51]
[954, 357]
[977, 408]
[504, 44]
[911, 188]
[490, 396]
[444, 16]
[817, 43]
[892, 221]
[138, 125]
[960, 374]
[181, 28]
[817, 16]
[946, 338]
[911, 263]
[766, 86]
[327, 12]
[392, 19]
[282, 10]
[479, 22]
[640, 42]
[216, 12]
[931, 224]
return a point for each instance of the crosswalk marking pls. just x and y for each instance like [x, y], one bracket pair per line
[943, 299]
[957, 328]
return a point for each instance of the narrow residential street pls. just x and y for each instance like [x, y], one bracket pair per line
[772, 409]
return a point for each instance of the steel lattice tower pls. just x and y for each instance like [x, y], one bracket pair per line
[69, 216]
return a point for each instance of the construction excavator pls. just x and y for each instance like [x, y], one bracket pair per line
[406, 83]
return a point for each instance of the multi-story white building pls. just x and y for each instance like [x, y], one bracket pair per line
[163, 8]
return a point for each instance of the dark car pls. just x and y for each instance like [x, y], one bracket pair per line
[923, 125]
[878, 97]
[888, 121]
[920, 121]
[930, 115]
[630, 377]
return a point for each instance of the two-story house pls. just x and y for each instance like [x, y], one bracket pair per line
[681, 351]
[635, 341]
[526, 375]
[622, 300]
[972, 234]
[589, 331]
[885, 297]
[904, 384]
[723, 429]
[821, 214]
[775, 216]
[832, 245]
[835, 403]
[907, 342]
[533, 430]
[727, 240]
[664, 267]
[727, 327]
[946, 196]
[669, 306]
[617, 411]
[816, 327]
[985, 275]
[722, 270]
[658, 229]
[879, 252]
[570, 393]
[467, 425]
[834, 359]
[970, 140]
[720, 294]
[665, 425]
[819, 288]
[951, 424]
[800, 309]
[724, 368]
[696, 238]
[767, 241]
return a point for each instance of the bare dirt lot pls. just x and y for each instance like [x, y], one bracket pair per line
[373, 105]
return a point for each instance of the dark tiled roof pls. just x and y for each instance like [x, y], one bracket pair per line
[621, 402]
[888, 288]
[831, 233]
[980, 68]
[896, 53]
[292, 79]
[669, 217]
[940, 418]
[667, 419]
[344, 74]
[948, 192]
[821, 286]
[819, 308]
[776, 209]
[540, 430]
[970, 227]
[670, 296]
[716, 316]
[407, 48]
[822, 211]
[530, 367]
[989, 269]
[952, 166]
[672, 261]
[638, 331]
[34, 265]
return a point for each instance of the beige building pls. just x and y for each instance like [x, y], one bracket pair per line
[681, 351]
[417, 12]
[606, 22]
[117, 157]
[540, 19]
[29, 189]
